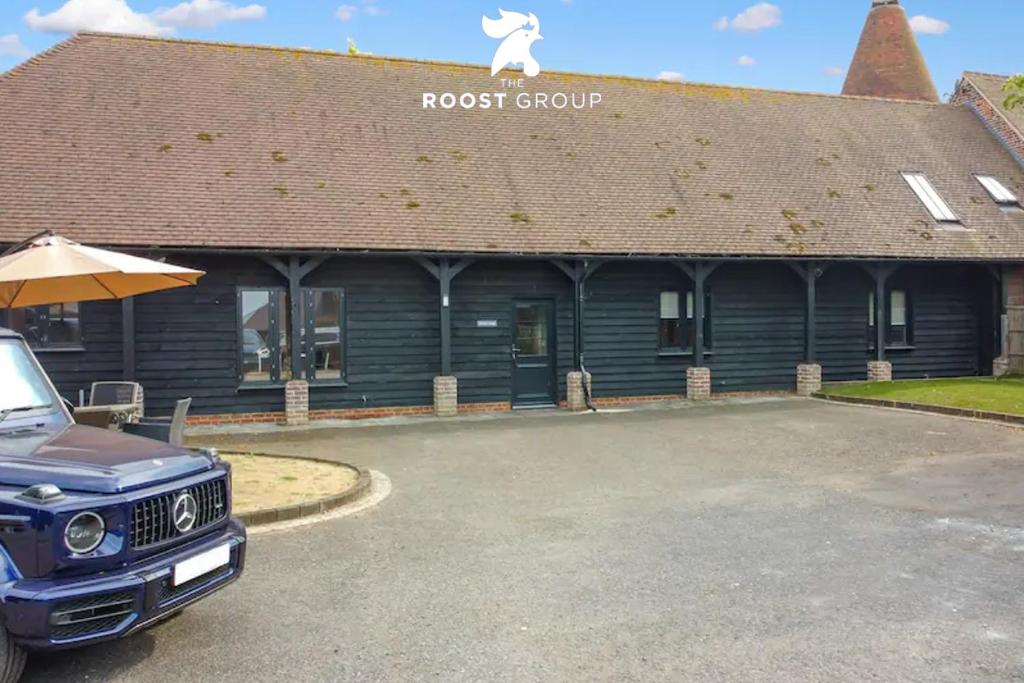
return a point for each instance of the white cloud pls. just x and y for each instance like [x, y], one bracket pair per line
[11, 46]
[673, 76]
[755, 18]
[746, 60]
[207, 13]
[929, 25]
[834, 71]
[349, 12]
[116, 16]
[95, 15]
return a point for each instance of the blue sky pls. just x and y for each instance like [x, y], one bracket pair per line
[789, 44]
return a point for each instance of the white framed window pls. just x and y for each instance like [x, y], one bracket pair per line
[997, 191]
[670, 331]
[898, 325]
[899, 334]
[931, 199]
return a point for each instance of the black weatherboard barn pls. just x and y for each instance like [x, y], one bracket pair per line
[371, 257]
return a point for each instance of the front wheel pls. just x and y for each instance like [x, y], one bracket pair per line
[12, 659]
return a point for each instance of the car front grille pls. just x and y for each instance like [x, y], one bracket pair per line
[153, 518]
[91, 615]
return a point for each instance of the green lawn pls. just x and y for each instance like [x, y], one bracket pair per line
[979, 393]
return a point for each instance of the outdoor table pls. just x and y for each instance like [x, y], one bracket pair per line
[120, 413]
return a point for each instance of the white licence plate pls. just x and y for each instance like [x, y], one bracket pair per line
[201, 564]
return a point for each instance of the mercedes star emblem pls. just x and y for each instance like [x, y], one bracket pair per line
[185, 508]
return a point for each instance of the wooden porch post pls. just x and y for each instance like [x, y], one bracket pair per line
[444, 271]
[810, 343]
[699, 276]
[881, 276]
[128, 339]
[810, 274]
[295, 315]
[445, 281]
[294, 271]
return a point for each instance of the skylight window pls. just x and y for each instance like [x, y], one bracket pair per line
[998, 191]
[926, 192]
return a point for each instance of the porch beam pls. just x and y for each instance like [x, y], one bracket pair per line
[428, 266]
[460, 266]
[686, 268]
[569, 270]
[275, 263]
[310, 265]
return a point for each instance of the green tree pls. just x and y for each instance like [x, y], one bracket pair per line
[1014, 90]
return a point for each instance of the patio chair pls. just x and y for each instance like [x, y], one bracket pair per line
[168, 429]
[121, 395]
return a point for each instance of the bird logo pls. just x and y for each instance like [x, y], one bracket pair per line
[517, 32]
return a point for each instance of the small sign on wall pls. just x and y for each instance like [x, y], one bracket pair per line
[487, 323]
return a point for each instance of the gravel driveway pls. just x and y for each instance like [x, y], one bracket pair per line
[770, 540]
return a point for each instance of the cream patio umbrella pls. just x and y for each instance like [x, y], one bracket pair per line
[50, 269]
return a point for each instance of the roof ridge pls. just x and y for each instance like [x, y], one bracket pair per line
[37, 57]
[968, 72]
[482, 67]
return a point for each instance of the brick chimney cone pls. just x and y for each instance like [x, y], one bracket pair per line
[888, 62]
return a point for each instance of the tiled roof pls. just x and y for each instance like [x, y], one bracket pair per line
[116, 140]
[991, 86]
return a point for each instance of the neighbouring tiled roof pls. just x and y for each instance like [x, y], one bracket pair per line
[991, 87]
[118, 140]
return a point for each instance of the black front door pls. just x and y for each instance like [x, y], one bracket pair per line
[533, 354]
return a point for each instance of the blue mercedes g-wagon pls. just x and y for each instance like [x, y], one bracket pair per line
[101, 533]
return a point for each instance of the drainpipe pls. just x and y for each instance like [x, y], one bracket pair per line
[581, 282]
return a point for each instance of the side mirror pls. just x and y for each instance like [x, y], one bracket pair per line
[68, 404]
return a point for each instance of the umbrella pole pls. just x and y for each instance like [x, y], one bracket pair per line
[25, 243]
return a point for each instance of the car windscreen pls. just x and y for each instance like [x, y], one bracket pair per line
[24, 385]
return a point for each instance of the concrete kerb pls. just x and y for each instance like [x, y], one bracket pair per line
[950, 411]
[320, 506]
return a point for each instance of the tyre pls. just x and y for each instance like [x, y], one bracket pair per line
[12, 659]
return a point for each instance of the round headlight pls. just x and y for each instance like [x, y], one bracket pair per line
[84, 532]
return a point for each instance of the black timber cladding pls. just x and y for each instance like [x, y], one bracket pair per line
[187, 339]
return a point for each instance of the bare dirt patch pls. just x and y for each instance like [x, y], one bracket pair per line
[261, 482]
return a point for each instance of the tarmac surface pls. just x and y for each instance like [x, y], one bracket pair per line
[763, 540]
